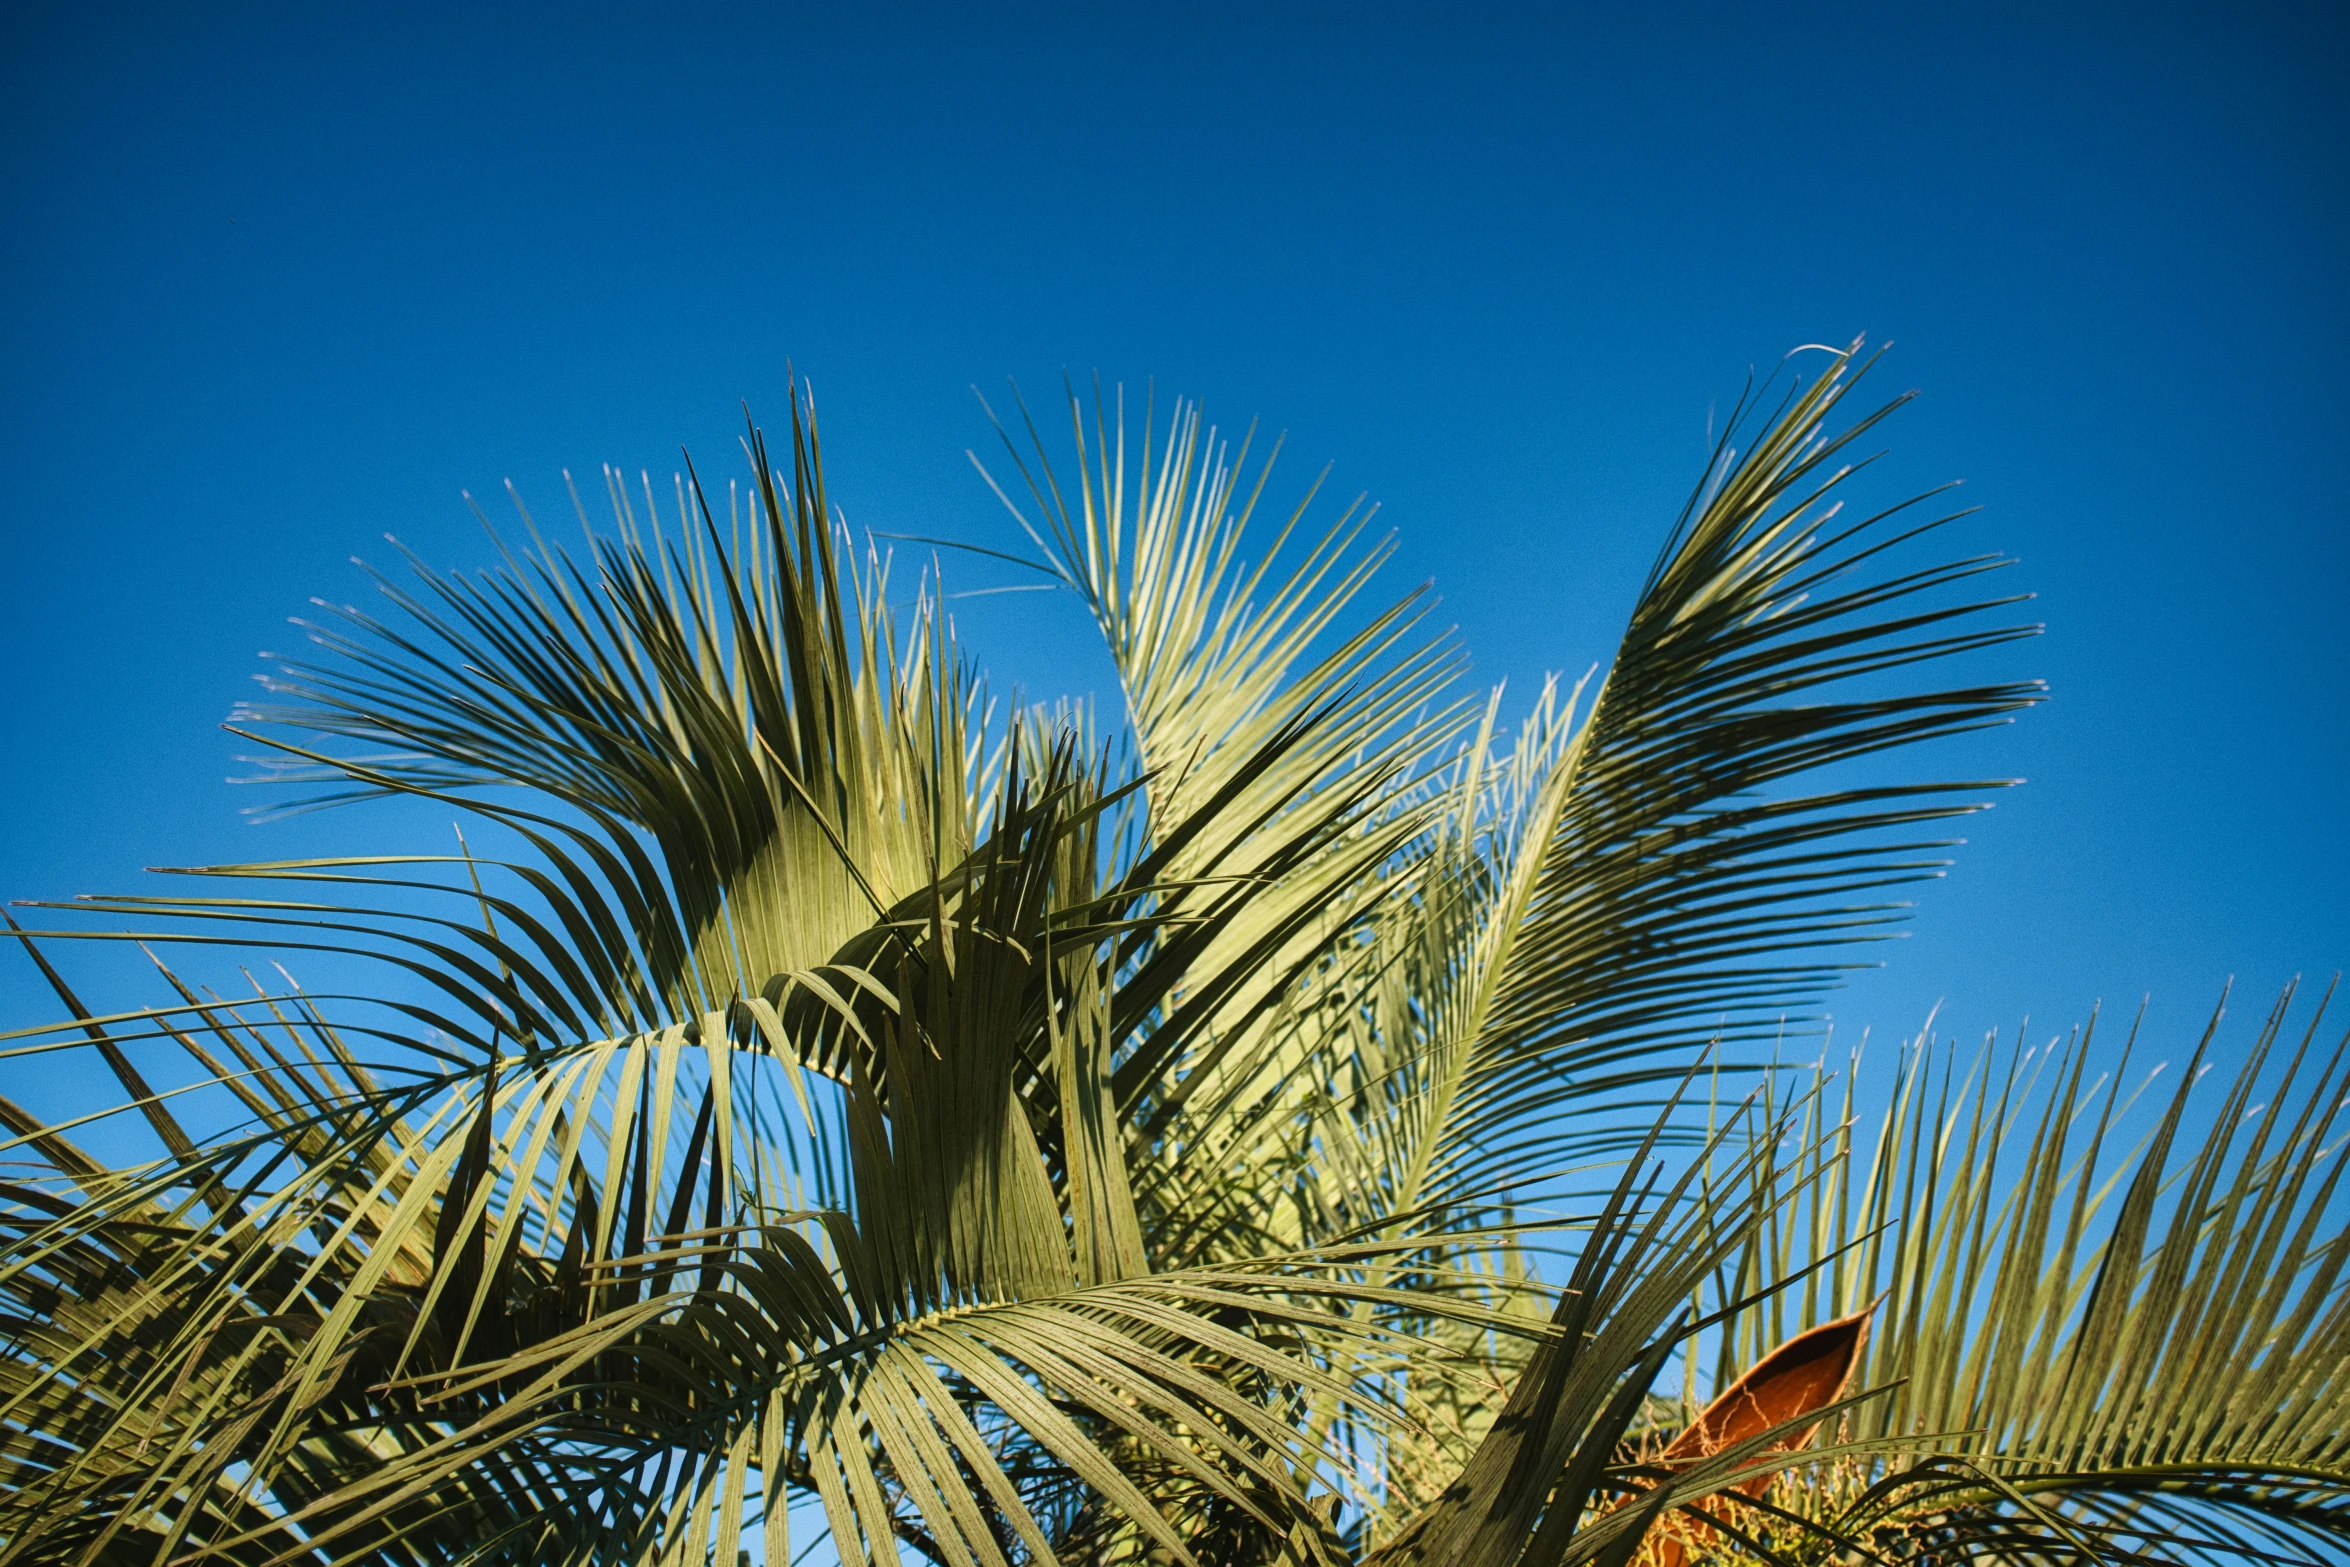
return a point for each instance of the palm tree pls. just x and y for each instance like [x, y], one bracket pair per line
[1301, 1123]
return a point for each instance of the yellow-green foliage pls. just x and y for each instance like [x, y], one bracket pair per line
[1300, 1120]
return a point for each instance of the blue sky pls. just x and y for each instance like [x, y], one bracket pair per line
[277, 282]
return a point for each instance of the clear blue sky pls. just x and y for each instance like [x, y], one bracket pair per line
[276, 282]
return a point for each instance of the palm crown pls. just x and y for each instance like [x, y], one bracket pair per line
[1303, 1123]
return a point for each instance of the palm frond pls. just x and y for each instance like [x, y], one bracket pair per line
[747, 762]
[2119, 1312]
[1678, 879]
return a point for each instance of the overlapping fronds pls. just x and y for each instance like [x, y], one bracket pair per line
[1243, 1133]
[736, 760]
[2111, 1318]
[1577, 910]
[1569, 919]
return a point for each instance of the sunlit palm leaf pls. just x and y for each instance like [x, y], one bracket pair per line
[2127, 1312]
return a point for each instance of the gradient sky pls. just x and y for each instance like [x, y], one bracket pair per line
[277, 282]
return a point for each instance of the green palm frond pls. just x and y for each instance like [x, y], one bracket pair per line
[2121, 1311]
[749, 761]
[1664, 885]
[1218, 654]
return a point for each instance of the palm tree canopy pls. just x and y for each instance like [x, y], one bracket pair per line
[1302, 1120]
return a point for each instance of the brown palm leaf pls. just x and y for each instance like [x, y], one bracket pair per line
[1804, 1376]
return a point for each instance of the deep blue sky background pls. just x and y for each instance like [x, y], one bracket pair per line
[275, 282]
